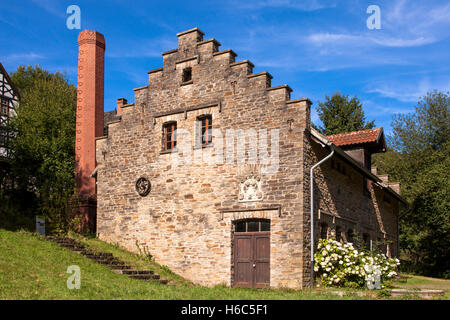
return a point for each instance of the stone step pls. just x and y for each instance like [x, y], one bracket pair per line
[144, 276]
[72, 247]
[131, 272]
[115, 262]
[426, 294]
[117, 267]
[107, 259]
[98, 255]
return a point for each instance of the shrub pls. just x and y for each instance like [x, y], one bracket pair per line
[340, 264]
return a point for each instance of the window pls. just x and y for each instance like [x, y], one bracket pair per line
[252, 225]
[3, 137]
[350, 235]
[323, 231]
[338, 166]
[204, 130]
[4, 106]
[338, 233]
[169, 136]
[366, 239]
[187, 74]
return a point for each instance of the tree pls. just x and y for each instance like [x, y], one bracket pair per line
[339, 114]
[44, 144]
[419, 157]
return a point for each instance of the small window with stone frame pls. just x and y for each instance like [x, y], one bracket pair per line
[204, 131]
[187, 75]
[169, 140]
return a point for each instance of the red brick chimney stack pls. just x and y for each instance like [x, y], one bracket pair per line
[89, 121]
[120, 103]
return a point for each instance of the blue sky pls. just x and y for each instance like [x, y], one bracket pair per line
[318, 47]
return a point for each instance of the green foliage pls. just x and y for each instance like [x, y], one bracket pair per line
[419, 157]
[43, 148]
[339, 114]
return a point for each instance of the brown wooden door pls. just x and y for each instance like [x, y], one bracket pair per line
[252, 259]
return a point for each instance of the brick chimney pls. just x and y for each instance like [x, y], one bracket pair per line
[120, 103]
[89, 121]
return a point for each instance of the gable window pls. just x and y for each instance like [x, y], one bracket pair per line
[187, 74]
[169, 136]
[204, 130]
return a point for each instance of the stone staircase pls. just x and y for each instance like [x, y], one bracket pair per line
[107, 259]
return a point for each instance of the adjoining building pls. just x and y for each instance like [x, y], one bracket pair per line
[9, 101]
[209, 170]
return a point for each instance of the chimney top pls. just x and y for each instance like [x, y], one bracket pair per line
[89, 36]
[120, 103]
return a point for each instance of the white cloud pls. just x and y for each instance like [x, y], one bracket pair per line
[23, 57]
[408, 91]
[302, 5]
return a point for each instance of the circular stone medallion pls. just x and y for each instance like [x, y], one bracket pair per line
[143, 186]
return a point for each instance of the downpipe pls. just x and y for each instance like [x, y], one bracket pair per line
[311, 175]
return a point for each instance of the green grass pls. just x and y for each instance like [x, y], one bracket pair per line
[34, 268]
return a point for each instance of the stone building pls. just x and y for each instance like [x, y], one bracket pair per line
[209, 169]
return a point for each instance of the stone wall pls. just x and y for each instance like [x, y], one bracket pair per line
[342, 201]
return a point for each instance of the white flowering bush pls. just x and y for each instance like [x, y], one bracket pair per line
[341, 264]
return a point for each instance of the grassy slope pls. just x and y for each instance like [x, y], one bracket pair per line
[34, 268]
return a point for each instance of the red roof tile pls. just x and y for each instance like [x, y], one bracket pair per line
[355, 137]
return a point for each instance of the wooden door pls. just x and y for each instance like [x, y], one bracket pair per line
[252, 259]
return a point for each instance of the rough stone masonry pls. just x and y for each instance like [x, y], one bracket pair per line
[188, 217]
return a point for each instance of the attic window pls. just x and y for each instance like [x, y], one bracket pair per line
[338, 166]
[187, 74]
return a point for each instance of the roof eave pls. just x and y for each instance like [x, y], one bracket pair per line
[356, 165]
